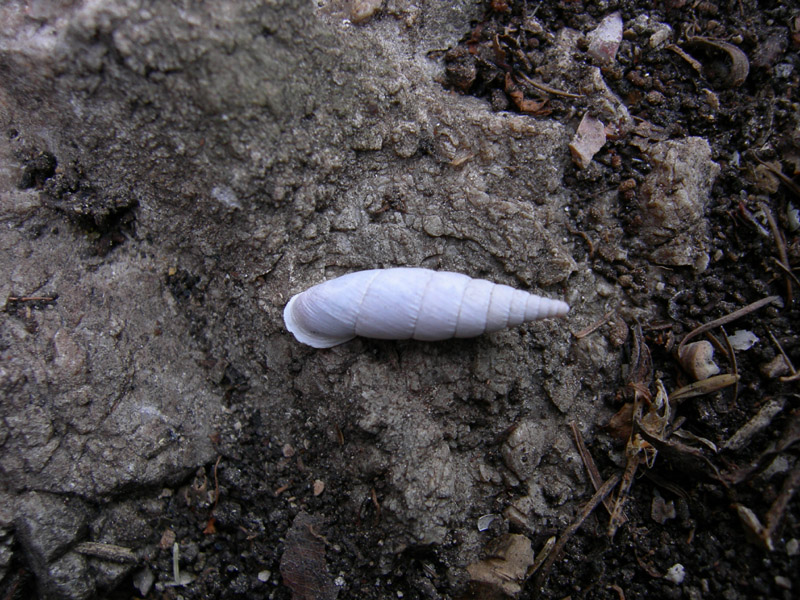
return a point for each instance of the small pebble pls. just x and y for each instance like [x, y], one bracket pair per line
[605, 39]
[743, 339]
[784, 70]
[775, 368]
[661, 36]
[589, 139]
[486, 521]
[676, 574]
[143, 581]
[361, 10]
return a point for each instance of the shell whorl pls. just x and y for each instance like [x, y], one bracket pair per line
[405, 303]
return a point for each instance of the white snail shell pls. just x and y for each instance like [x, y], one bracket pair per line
[403, 303]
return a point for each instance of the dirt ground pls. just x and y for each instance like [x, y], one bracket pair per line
[703, 505]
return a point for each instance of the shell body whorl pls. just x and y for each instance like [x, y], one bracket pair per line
[405, 303]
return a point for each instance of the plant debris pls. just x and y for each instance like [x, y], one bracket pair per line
[303, 565]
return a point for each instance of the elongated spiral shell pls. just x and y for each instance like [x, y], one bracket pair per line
[403, 303]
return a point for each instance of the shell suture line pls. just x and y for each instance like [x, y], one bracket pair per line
[421, 304]
[363, 296]
[461, 306]
[488, 308]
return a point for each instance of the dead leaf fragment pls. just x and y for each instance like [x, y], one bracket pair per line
[525, 105]
[706, 386]
[303, 566]
[731, 73]
[662, 511]
[621, 424]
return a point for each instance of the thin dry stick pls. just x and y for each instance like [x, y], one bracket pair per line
[31, 298]
[788, 182]
[689, 59]
[734, 366]
[588, 462]
[598, 497]
[617, 516]
[209, 529]
[737, 314]
[718, 346]
[594, 326]
[546, 88]
[377, 504]
[780, 349]
[786, 270]
[780, 243]
[778, 507]
[107, 552]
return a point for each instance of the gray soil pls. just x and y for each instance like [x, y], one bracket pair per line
[171, 173]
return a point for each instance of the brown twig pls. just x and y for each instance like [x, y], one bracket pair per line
[31, 298]
[689, 59]
[640, 372]
[789, 438]
[780, 243]
[780, 349]
[620, 592]
[734, 365]
[546, 88]
[377, 504]
[778, 507]
[788, 182]
[704, 386]
[107, 552]
[210, 528]
[617, 516]
[786, 270]
[598, 497]
[737, 314]
[585, 237]
[760, 421]
[594, 326]
[588, 462]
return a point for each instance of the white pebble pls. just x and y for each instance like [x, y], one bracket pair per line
[676, 574]
[743, 339]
